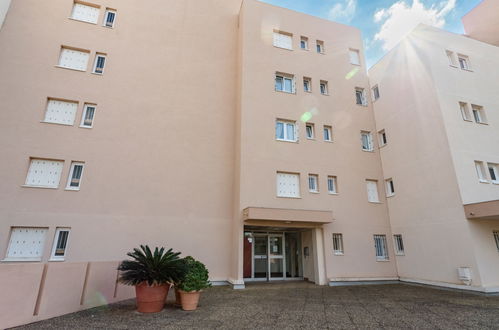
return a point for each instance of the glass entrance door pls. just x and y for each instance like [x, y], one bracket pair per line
[260, 260]
[276, 257]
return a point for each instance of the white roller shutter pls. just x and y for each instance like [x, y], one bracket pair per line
[44, 173]
[283, 40]
[372, 191]
[288, 185]
[73, 59]
[26, 243]
[85, 13]
[61, 112]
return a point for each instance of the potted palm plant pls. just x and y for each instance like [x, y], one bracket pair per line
[152, 274]
[192, 283]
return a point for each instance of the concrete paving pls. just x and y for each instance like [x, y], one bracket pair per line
[301, 305]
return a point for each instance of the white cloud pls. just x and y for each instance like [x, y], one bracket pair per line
[343, 11]
[400, 18]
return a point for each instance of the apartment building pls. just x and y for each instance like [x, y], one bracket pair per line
[436, 111]
[246, 135]
[482, 23]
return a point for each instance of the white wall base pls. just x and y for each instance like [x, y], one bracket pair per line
[237, 284]
[452, 285]
[362, 281]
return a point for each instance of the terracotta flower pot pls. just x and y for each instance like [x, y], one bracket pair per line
[151, 299]
[178, 300]
[189, 300]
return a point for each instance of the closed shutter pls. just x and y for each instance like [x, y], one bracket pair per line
[85, 13]
[74, 59]
[288, 185]
[61, 112]
[372, 191]
[354, 57]
[26, 243]
[283, 40]
[44, 173]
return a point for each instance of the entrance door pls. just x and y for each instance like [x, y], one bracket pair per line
[276, 257]
[260, 260]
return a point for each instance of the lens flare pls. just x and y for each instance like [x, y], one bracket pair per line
[352, 73]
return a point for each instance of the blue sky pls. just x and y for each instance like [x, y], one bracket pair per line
[384, 22]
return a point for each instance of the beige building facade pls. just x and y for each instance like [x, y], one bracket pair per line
[243, 134]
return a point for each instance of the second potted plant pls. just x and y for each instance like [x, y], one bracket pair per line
[191, 284]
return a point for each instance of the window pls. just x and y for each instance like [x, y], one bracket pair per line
[60, 244]
[331, 185]
[75, 59]
[399, 245]
[480, 171]
[465, 112]
[354, 57]
[307, 84]
[328, 133]
[372, 191]
[380, 247]
[320, 46]
[60, 112]
[87, 118]
[360, 96]
[284, 83]
[390, 188]
[283, 40]
[479, 114]
[100, 61]
[109, 18]
[85, 12]
[338, 244]
[44, 173]
[309, 128]
[323, 86]
[494, 172]
[496, 238]
[451, 57]
[288, 185]
[75, 174]
[382, 138]
[313, 183]
[375, 90]
[367, 141]
[285, 130]
[26, 244]
[464, 62]
[304, 43]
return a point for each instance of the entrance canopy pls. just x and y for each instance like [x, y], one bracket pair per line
[482, 211]
[287, 217]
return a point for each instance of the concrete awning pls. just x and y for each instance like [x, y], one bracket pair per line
[287, 216]
[482, 211]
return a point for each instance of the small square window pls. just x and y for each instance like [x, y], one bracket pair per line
[367, 141]
[304, 43]
[480, 171]
[109, 18]
[60, 244]
[465, 111]
[382, 138]
[380, 247]
[496, 238]
[464, 62]
[399, 245]
[323, 86]
[285, 131]
[390, 187]
[75, 176]
[87, 118]
[354, 57]
[451, 57]
[313, 183]
[284, 83]
[307, 84]
[338, 244]
[372, 191]
[375, 91]
[288, 185]
[479, 114]
[100, 61]
[328, 133]
[332, 187]
[309, 128]
[320, 46]
[494, 172]
[360, 96]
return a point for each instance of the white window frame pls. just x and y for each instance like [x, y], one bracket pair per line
[383, 141]
[480, 171]
[398, 242]
[53, 256]
[284, 77]
[324, 87]
[390, 187]
[451, 58]
[42, 247]
[338, 247]
[363, 98]
[313, 183]
[493, 170]
[84, 114]
[70, 176]
[312, 131]
[464, 59]
[305, 41]
[332, 181]
[496, 238]
[285, 124]
[370, 144]
[329, 131]
[375, 182]
[465, 111]
[375, 92]
[106, 14]
[97, 57]
[277, 37]
[478, 114]
[381, 247]
[307, 81]
[355, 59]
[319, 46]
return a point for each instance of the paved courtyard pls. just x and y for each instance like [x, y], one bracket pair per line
[302, 305]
